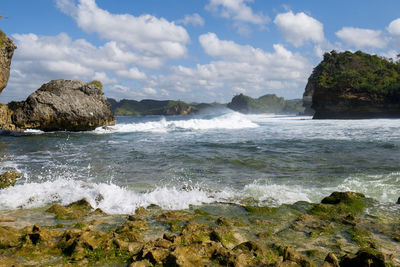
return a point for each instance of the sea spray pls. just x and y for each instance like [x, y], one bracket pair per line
[228, 121]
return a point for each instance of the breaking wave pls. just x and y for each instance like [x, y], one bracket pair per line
[231, 120]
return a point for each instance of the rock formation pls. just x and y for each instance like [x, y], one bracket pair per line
[7, 48]
[8, 179]
[57, 105]
[63, 105]
[269, 103]
[127, 107]
[354, 86]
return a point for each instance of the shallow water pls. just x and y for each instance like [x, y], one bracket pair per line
[177, 161]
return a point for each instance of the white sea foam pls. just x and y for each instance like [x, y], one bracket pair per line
[113, 200]
[231, 120]
[119, 200]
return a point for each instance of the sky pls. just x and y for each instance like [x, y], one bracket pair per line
[191, 50]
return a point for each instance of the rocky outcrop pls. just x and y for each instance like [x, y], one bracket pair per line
[307, 99]
[63, 105]
[354, 86]
[127, 107]
[8, 179]
[7, 48]
[269, 103]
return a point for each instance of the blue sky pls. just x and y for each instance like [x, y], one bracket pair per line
[193, 50]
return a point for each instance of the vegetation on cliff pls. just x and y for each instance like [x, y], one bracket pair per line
[355, 85]
[362, 72]
[269, 103]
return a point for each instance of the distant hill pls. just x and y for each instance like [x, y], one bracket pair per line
[269, 103]
[150, 107]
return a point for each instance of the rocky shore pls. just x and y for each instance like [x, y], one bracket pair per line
[344, 229]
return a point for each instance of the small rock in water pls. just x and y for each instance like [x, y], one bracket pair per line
[8, 179]
[398, 201]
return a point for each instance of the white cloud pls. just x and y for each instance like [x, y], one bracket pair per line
[103, 77]
[361, 38]
[394, 27]
[299, 28]
[146, 34]
[192, 19]
[238, 68]
[237, 10]
[150, 91]
[132, 73]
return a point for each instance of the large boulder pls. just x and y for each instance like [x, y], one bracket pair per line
[63, 105]
[354, 86]
[7, 48]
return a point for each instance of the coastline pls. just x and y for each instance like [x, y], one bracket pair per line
[216, 234]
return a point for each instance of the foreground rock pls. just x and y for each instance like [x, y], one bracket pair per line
[354, 86]
[336, 232]
[8, 179]
[7, 48]
[63, 105]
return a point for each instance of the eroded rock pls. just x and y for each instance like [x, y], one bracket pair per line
[63, 105]
[7, 48]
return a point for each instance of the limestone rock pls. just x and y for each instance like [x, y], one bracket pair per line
[63, 105]
[7, 48]
[8, 179]
[354, 86]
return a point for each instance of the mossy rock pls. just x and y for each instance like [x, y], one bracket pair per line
[74, 210]
[175, 219]
[8, 179]
[9, 237]
[98, 84]
[260, 210]
[339, 204]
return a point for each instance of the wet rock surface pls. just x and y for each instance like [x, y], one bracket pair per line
[8, 179]
[211, 235]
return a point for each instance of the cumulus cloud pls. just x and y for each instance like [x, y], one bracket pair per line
[132, 73]
[394, 27]
[146, 34]
[237, 68]
[299, 28]
[361, 38]
[192, 19]
[238, 11]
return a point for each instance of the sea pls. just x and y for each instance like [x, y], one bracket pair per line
[217, 157]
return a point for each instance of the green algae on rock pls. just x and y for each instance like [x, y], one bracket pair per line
[74, 210]
[295, 237]
[8, 179]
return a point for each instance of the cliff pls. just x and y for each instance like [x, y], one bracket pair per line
[355, 86]
[269, 103]
[7, 48]
[150, 107]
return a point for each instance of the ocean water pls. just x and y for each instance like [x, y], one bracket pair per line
[175, 162]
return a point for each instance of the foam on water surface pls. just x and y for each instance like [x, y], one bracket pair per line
[228, 121]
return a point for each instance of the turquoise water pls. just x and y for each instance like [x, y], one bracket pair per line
[177, 161]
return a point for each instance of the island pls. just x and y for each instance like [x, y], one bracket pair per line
[354, 86]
